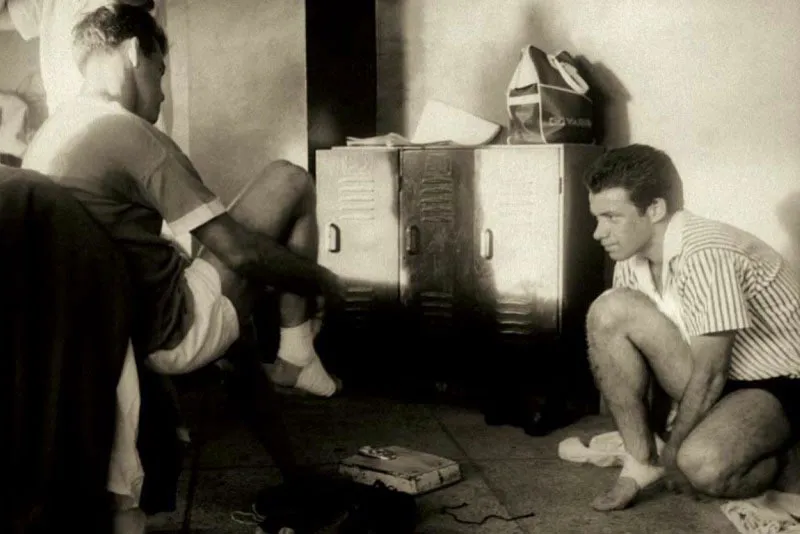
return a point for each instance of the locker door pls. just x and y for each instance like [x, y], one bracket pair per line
[436, 222]
[357, 206]
[517, 256]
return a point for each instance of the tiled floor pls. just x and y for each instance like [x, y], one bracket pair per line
[505, 471]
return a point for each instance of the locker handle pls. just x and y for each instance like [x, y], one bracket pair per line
[412, 239]
[334, 238]
[487, 244]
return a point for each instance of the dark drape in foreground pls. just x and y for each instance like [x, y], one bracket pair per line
[64, 329]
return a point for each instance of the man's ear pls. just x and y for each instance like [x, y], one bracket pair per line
[132, 50]
[657, 210]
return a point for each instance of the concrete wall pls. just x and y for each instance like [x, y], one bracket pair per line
[238, 86]
[713, 82]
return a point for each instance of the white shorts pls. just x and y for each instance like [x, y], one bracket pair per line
[214, 328]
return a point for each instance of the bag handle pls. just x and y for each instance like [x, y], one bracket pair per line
[570, 74]
[524, 74]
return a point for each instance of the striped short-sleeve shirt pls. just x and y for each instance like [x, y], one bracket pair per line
[722, 279]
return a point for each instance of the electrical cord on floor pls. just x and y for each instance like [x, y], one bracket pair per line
[448, 510]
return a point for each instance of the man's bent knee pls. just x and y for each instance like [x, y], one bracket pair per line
[706, 467]
[290, 174]
[612, 309]
[271, 203]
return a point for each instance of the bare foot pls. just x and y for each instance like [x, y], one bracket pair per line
[621, 496]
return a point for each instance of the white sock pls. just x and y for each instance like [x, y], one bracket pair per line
[315, 379]
[642, 474]
[297, 344]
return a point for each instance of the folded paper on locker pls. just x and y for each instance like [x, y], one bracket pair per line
[441, 125]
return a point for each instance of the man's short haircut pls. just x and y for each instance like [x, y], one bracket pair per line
[107, 27]
[646, 173]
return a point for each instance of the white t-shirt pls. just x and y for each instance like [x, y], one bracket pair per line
[131, 177]
[52, 22]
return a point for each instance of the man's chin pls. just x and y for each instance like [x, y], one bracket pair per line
[617, 255]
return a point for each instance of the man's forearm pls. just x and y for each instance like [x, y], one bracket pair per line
[702, 392]
[279, 267]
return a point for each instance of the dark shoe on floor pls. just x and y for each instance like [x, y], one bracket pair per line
[332, 504]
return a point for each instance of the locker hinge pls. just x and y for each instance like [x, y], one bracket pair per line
[560, 185]
[399, 171]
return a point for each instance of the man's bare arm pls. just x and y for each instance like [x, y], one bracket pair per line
[710, 362]
[259, 257]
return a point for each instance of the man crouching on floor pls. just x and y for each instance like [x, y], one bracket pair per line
[708, 310]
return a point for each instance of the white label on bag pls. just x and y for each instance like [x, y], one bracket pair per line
[524, 99]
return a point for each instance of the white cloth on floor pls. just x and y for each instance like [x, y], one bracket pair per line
[604, 450]
[773, 512]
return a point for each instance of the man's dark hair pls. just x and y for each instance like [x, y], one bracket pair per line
[109, 26]
[646, 173]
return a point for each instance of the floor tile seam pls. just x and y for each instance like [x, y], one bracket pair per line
[478, 469]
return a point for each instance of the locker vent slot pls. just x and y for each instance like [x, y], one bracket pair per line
[514, 317]
[436, 305]
[437, 190]
[358, 302]
[517, 201]
[356, 198]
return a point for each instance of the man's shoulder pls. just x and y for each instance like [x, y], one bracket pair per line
[711, 241]
[106, 124]
[702, 234]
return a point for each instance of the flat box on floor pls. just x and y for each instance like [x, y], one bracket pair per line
[411, 472]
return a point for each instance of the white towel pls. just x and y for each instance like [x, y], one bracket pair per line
[773, 512]
[604, 450]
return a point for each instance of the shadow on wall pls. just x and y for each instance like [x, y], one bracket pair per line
[610, 97]
[788, 212]
[391, 25]
[609, 94]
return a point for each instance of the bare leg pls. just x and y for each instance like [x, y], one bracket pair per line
[278, 204]
[732, 453]
[281, 203]
[629, 338]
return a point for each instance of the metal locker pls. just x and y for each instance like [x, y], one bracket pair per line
[436, 222]
[357, 213]
[517, 215]
[448, 252]
[533, 232]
